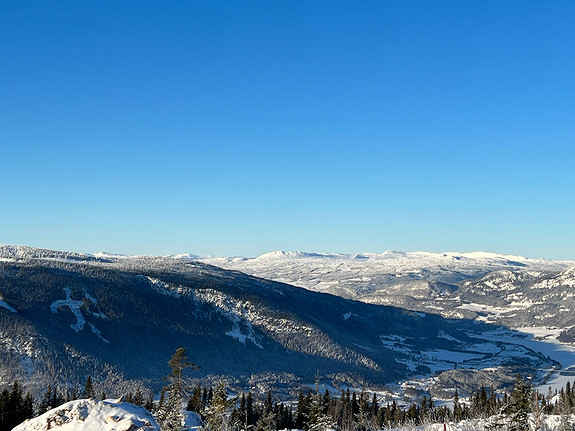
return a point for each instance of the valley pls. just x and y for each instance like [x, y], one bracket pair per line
[411, 324]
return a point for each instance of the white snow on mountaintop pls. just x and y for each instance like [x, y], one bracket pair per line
[399, 260]
[388, 254]
[92, 415]
[105, 255]
[362, 274]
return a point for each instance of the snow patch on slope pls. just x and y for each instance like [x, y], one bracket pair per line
[239, 313]
[7, 306]
[74, 306]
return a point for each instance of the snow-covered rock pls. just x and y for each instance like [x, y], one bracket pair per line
[93, 415]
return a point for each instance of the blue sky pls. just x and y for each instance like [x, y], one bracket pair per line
[241, 127]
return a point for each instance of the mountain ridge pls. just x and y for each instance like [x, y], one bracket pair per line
[120, 318]
[365, 276]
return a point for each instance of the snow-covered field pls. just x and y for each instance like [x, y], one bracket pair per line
[544, 340]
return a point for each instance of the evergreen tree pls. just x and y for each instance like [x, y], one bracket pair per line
[162, 410]
[205, 400]
[89, 391]
[374, 405]
[195, 401]
[239, 416]
[27, 406]
[266, 422]
[176, 389]
[565, 423]
[457, 410]
[173, 420]
[15, 407]
[268, 404]
[217, 418]
[138, 398]
[149, 405]
[73, 395]
[317, 418]
[302, 410]
[250, 414]
[519, 405]
[46, 402]
[354, 404]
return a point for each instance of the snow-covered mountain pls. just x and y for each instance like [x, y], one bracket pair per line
[535, 296]
[92, 415]
[65, 316]
[513, 291]
[371, 277]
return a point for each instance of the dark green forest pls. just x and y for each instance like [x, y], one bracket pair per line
[312, 410]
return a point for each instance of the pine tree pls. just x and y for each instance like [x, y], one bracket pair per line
[46, 402]
[374, 405]
[138, 398]
[15, 408]
[302, 410]
[457, 411]
[519, 405]
[250, 415]
[266, 422]
[217, 418]
[239, 416]
[149, 405]
[174, 419]
[205, 400]
[318, 420]
[161, 411]
[176, 389]
[195, 401]
[89, 391]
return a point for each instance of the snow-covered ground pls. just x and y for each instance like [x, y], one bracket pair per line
[541, 340]
[547, 423]
[544, 340]
[93, 415]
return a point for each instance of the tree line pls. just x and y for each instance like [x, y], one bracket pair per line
[313, 410]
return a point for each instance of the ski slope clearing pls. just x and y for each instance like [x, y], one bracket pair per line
[93, 415]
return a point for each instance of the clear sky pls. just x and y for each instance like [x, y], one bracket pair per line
[241, 127]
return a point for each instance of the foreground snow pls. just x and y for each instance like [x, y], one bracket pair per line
[93, 415]
[546, 423]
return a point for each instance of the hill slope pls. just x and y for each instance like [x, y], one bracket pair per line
[65, 316]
